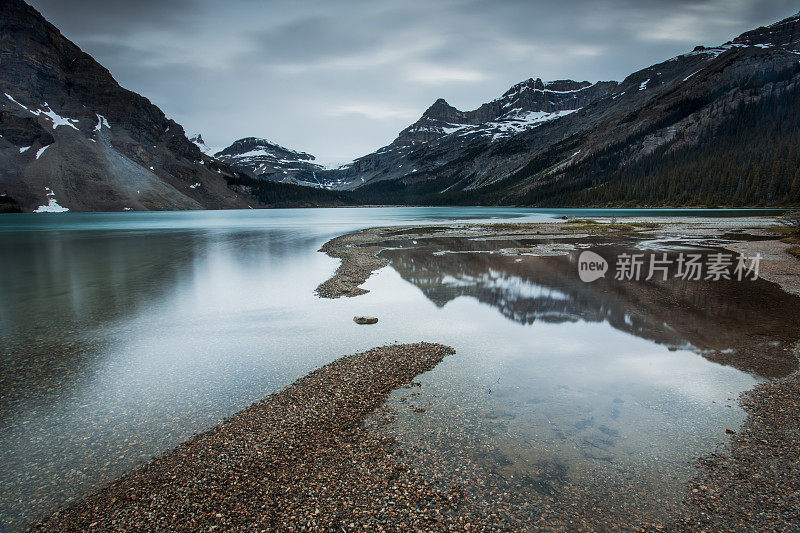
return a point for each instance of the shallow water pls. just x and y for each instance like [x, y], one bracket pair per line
[123, 334]
[568, 394]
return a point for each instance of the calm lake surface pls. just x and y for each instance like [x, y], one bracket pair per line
[123, 334]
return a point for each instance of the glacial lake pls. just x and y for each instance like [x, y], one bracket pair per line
[123, 334]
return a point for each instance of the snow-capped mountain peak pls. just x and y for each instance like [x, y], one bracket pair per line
[262, 158]
[200, 143]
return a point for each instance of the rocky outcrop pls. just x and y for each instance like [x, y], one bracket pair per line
[783, 34]
[23, 132]
[198, 141]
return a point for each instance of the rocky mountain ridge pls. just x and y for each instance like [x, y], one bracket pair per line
[653, 113]
[711, 126]
[264, 159]
[71, 138]
[524, 106]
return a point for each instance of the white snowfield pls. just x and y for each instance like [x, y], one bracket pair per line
[523, 121]
[47, 112]
[41, 151]
[513, 122]
[52, 205]
[101, 121]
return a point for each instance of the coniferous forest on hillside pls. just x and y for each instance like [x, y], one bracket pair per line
[751, 158]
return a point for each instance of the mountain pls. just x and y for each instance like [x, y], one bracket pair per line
[71, 138]
[264, 159]
[524, 106]
[198, 141]
[714, 126]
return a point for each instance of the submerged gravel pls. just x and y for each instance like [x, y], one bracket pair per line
[298, 460]
[755, 486]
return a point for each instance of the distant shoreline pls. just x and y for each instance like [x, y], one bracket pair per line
[767, 211]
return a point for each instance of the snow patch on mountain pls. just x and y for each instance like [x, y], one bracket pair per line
[52, 204]
[101, 121]
[48, 113]
[12, 99]
[41, 151]
[521, 122]
[57, 119]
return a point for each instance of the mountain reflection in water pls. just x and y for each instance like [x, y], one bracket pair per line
[602, 394]
[748, 324]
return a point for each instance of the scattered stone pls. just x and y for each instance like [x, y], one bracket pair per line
[755, 485]
[299, 460]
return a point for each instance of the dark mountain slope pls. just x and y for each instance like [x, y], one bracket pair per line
[71, 137]
[751, 158]
[677, 105]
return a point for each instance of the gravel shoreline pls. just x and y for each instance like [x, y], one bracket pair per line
[300, 459]
[755, 486]
[359, 251]
[358, 264]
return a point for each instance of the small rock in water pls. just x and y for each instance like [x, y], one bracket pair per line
[365, 320]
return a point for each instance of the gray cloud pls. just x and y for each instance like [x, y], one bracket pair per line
[112, 17]
[313, 39]
[341, 78]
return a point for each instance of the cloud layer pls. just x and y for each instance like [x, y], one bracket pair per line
[341, 78]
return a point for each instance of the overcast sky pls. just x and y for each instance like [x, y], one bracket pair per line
[339, 79]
